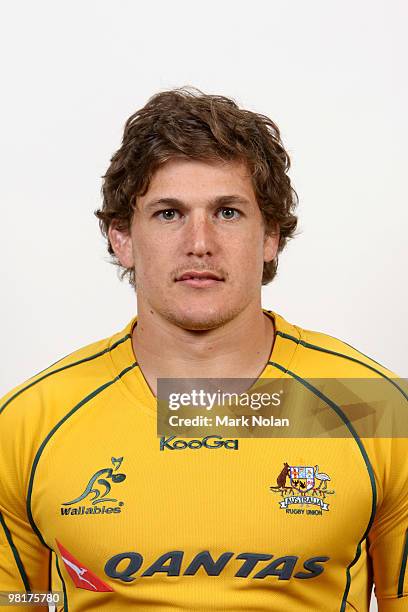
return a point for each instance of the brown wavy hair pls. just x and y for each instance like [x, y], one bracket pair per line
[186, 123]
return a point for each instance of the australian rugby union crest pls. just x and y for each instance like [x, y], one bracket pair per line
[303, 489]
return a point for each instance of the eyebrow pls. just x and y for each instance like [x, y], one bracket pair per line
[224, 200]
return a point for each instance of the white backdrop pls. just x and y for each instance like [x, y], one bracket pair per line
[331, 74]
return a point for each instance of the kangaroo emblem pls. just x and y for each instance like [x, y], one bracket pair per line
[100, 493]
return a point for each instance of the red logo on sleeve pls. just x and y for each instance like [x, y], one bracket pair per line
[81, 576]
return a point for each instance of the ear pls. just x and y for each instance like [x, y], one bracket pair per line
[271, 243]
[121, 242]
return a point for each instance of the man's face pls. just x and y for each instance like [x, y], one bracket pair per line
[197, 217]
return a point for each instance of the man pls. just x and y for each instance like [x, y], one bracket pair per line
[197, 205]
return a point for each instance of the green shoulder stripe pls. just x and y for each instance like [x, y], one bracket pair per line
[315, 347]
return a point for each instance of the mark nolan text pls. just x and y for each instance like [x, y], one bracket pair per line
[252, 420]
[226, 421]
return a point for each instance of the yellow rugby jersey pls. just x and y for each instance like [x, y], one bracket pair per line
[93, 503]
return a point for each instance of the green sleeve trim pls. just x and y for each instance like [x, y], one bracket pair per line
[64, 590]
[403, 567]
[16, 555]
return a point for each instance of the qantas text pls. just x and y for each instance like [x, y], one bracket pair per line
[124, 566]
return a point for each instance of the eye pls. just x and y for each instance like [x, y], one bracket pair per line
[168, 214]
[229, 213]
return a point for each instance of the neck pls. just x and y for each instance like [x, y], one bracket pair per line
[238, 349]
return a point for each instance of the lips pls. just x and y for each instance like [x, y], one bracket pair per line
[202, 275]
[202, 279]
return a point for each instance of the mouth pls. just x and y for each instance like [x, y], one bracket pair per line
[201, 279]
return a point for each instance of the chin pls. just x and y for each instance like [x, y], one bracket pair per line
[202, 319]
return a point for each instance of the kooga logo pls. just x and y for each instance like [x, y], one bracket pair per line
[211, 442]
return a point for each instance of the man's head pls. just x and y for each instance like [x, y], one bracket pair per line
[198, 185]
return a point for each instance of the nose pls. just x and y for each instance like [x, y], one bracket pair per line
[200, 234]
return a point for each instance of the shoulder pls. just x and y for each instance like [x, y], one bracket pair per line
[62, 383]
[329, 345]
[320, 354]
[361, 390]
[31, 411]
